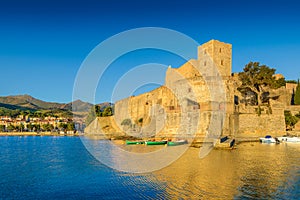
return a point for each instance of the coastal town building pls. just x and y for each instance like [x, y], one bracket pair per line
[25, 123]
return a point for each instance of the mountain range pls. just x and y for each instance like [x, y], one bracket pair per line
[27, 102]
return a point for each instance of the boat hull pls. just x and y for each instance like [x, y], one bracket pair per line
[176, 143]
[134, 142]
[267, 140]
[156, 142]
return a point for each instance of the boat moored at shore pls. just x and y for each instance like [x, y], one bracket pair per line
[176, 143]
[163, 142]
[289, 139]
[267, 139]
[129, 142]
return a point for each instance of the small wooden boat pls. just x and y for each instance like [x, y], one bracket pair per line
[176, 143]
[163, 142]
[128, 142]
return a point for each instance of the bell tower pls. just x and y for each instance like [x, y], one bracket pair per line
[219, 53]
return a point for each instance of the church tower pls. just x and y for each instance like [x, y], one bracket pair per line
[219, 53]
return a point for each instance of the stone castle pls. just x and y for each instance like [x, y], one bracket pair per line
[199, 98]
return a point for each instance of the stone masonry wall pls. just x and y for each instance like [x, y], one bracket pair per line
[254, 125]
[294, 109]
[185, 106]
[197, 99]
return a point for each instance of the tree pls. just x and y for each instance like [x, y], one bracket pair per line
[10, 127]
[297, 95]
[47, 127]
[22, 127]
[36, 127]
[98, 110]
[107, 111]
[30, 127]
[279, 83]
[71, 126]
[2, 128]
[18, 128]
[290, 120]
[62, 126]
[256, 78]
[291, 81]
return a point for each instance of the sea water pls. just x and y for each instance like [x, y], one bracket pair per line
[61, 168]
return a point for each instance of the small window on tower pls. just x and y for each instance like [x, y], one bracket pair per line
[220, 50]
[222, 62]
[205, 52]
[204, 63]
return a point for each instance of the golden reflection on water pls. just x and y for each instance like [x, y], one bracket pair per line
[142, 148]
[253, 170]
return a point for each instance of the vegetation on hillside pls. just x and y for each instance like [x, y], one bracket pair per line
[35, 113]
[256, 78]
[26, 102]
[99, 111]
[29, 102]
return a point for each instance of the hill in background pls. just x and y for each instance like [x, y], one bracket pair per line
[28, 103]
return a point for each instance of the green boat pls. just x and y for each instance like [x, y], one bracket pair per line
[128, 142]
[156, 142]
[176, 143]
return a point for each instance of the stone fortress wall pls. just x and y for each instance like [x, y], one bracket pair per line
[199, 98]
[184, 106]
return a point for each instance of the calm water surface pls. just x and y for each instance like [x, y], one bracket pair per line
[61, 168]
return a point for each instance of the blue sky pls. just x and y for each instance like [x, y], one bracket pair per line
[43, 43]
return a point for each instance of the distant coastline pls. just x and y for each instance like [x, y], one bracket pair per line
[37, 134]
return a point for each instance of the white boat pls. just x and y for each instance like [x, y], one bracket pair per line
[267, 139]
[289, 139]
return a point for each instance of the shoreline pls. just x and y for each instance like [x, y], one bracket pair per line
[37, 134]
[195, 141]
